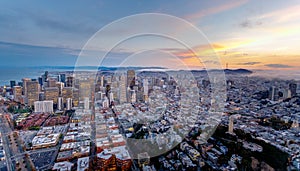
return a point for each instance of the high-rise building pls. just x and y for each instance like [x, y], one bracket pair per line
[86, 103]
[130, 78]
[70, 81]
[69, 104]
[273, 93]
[62, 78]
[52, 93]
[12, 83]
[32, 91]
[67, 92]
[122, 89]
[60, 86]
[133, 97]
[111, 96]
[293, 89]
[146, 89]
[287, 94]
[86, 87]
[43, 106]
[25, 80]
[17, 91]
[60, 104]
[40, 80]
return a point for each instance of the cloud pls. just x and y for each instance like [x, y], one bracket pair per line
[249, 63]
[278, 66]
[250, 24]
[287, 14]
[216, 9]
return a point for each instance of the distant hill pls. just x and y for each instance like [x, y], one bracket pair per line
[237, 71]
[226, 71]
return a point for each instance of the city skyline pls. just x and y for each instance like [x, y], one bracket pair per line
[244, 34]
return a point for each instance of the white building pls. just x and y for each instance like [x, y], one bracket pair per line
[43, 106]
[133, 97]
[86, 103]
[60, 103]
[69, 103]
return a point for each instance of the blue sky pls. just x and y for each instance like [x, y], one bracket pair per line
[250, 34]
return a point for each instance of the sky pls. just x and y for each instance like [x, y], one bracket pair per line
[251, 34]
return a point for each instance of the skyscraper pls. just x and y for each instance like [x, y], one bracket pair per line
[32, 91]
[146, 89]
[130, 78]
[52, 93]
[60, 104]
[86, 103]
[86, 86]
[69, 104]
[122, 89]
[62, 78]
[273, 93]
[17, 91]
[60, 86]
[12, 83]
[25, 80]
[293, 89]
[69, 81]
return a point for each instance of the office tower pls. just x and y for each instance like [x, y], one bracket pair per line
[69, 104]
[17, 91]
[12, 83]
[43, 106]
[287, 94]
[25, 80]
[86, 103]
[60, 86]
[40, 80]
[71, 92]
[86, 87]
[51, 93]
[60, 104]
[130, 78]
[32, 91]
[273, 93]
[52, 82]
[70, 81]
[122, 89]
[46, 74]
[146, 89]
[133, 97]
[293, 89]
[62, 78]
[111, 96]
[75, 99]
[67, 92]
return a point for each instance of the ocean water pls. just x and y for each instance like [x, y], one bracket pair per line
[17, 73]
